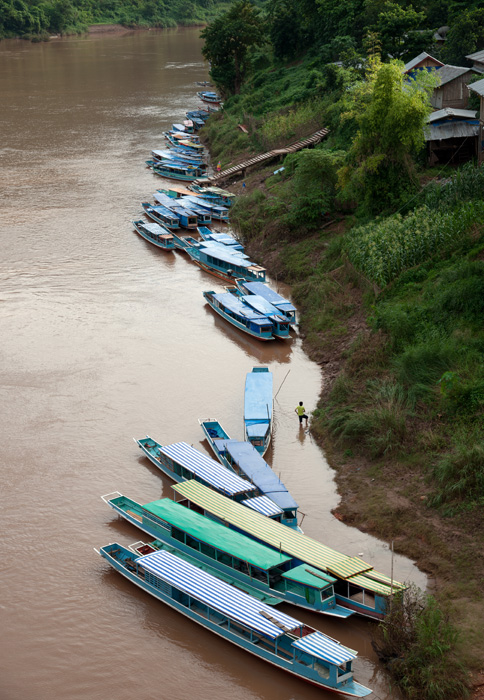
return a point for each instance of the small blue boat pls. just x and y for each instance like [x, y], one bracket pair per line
[240, 315]
[189, 145]
[198, 123]
[174, 155]
[246, 461]
[214, 194]
[184, 242]
[158, 235]
[210, 97]
[186, 217]
[217, 211]
[202, 114]
[225, 263]
[230, 555]
[219, 237]
[203, 216]
[261, 289]
[258, 408]
[176, 170]
[279, 322]
[239, 618]
[161, 215]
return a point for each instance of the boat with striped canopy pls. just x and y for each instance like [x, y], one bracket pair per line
[262, 289]
[161, 215]
[245, 621]
[158, 235]
[258, 408]
[230, 554]
[240, 315]
[358, 586]
[215, 194]
[243, 459]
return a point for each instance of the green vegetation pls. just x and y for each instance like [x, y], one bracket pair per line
[41, 18]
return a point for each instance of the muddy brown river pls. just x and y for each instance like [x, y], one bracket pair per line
[104, 338]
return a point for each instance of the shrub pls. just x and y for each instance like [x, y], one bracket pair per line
[460, 478]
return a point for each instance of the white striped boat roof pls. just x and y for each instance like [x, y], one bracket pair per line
[287, 539]
[206, 468]
[263, 505]
[322, 647]
[217, 594]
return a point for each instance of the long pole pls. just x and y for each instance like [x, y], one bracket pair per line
[282, 383]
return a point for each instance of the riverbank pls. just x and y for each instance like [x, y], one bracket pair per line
[384, 463]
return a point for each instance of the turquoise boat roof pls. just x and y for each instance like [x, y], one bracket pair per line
[309, 577]
[216, 534]
[228, 255]
[261, 305]
[287, 540]
[237, 307]
[273, 297]
[258, 396]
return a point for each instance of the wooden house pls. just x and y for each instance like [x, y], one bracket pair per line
[477, 60]
[479, 89]
[423, 61]
[453, 90]
[452, 136]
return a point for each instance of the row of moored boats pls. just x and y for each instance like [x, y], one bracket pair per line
[229, 548]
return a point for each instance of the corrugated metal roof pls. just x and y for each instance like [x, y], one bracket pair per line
[258, 396]
[477, 87]
[448, 73]
[264, 505]
[349, 566]
[217, 594]
[206, 468]
[374, 586]
[272, 296]
[418, 59]
[237, 307]
[265, 529]
[451, 112]
[450, 131]
[321, 646]
[216, 534]
[477, 56]
[261, 305]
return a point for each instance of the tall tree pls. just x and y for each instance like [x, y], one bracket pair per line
[228, 40]
[466, 36]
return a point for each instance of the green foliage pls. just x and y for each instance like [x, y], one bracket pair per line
[228, 40]
[417, 641]
[460, 476]
[466, 36]
[380, 172]
[397, 28]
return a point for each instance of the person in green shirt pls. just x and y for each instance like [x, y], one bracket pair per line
[301, 412]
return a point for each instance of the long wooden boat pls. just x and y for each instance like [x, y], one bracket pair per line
[158, 235]
[184, 242]
[358, 586]
[182, 136]
[160, 155]
[187, 144]
[210, 235]
[161, 215]
[203, 216]
[174, 191]
[225, 263]
[176, 170]
[240, 315]
[202, 114]
[210, 97]
[216, 210]
[280, 324]
[239, 618]
[215, 194]
[258, 408]
[262, 289]
[198, 123]
[187, 218]
[231, 554]
[243, 459]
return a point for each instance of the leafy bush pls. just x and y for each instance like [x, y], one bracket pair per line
[460, 477]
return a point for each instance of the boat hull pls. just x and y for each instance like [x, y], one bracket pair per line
[234, 321]
[157, 244]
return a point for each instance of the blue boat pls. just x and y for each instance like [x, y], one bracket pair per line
[230, 555]
[279, 322]
[189, 145]
[174, 155]
[201, 114]
[186, 217]
[240, 315]
[258, 408]
[155, 234]
[219, 237]
[176, 170]
[225, 263]
[175, 197]
[211, 97]
[198, 123]
[239, 618]
[161, 215]
[184, 242]
[261, 289]
[217, 211]
[214, 194]
[246, 461]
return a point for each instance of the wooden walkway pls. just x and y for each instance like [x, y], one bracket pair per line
[265, 157]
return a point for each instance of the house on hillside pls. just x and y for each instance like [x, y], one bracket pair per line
[477, 59]
[478, 88]
[452, 136]
[423, 61]
[452, 91]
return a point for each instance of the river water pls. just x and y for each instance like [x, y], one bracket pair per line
[104, 338]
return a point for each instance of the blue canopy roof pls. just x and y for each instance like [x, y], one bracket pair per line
[262, 305]
[259, 472]
[205, 203]
[164, 210]
[206, 468]
[217, 594]
[228, 255]
[317, 644]
[218, 246]
[273, 297]
[258, 397]
[233, 304]
[156, 229]
[171, 204]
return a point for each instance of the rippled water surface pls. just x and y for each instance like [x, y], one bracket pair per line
[104, 338]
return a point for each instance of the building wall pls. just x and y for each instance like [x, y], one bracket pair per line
[453, 94]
